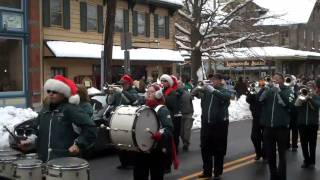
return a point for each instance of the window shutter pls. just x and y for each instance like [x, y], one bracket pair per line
[83, 16]
[46, 13]
[135, 23]
[66, 14]
[167, 24]
[126, 20]
[156, 34]
[147, 25]
[100, 18]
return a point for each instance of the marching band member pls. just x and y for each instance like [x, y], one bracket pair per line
[126, 95]
[308, 124]
[215, 101]
[172, 98]
[54, 125]
[257, 130]
[154, 162]
[277, 101]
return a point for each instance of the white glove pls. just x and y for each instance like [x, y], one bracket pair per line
[209, 88]
[276, 88]
[158, 94]
[117, 89]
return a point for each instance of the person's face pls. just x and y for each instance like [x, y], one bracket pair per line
[165, 83]
[125, 86]
[216, 82]
[55, 97]
[150, 93]
[277, 79]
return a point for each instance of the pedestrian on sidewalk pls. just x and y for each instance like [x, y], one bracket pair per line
[308, 125]
[187, 119]
[215, 101]
[277, 102]
[257, 130]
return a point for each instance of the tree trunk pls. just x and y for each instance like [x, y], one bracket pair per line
[108, 41]
[195, 63]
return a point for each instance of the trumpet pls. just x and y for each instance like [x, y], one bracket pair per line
[109, 88]
[304, 93]
[267, 78]
[252, 88]
[203, 83]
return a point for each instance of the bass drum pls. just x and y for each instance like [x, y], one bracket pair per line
[68, 168]
[27, 169]
[131, 128]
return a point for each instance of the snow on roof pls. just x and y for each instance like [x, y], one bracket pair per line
[265, 52]
[93, 51]
[288, 11]
[177, 2]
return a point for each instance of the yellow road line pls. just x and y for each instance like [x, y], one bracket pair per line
[225, 166]
[230, 166]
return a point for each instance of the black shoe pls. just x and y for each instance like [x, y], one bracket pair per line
[304, 166]
[216, 177]
[294, 149]
[257, 157]
[265, 160]
[311, 166]
[185, 147]
[204, 176]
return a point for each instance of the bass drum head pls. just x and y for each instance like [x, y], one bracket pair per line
[147, 119]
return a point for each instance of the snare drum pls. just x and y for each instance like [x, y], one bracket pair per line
[69, 168]
[131, 128]
[31, 156]
[6, 166]
[27, 169]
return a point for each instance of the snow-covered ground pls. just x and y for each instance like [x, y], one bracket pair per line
[238, 110]
[10, 116]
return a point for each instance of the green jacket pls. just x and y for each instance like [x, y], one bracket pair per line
[214, 105]
[86, 107]
[164, 117]
[276, 107]
[128, 97]
[173, 102]
[55, 133]
[308, 111]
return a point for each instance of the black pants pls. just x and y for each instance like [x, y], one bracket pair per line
[127, 158]
[177, 130]
[276, 138]
[294, 133]
[257, 140]
[148, 163]
[308, 138]
[213, 147]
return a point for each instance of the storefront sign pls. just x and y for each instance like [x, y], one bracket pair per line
[244, 63]
[12, 21]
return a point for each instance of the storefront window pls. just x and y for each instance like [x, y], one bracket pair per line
[15, 4]
[11, 64]
[58, 71]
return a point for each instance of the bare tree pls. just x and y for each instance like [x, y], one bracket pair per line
[207, 26]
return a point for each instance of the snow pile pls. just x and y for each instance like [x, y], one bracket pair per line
[10, 116]
[238, 110]
[286, 11]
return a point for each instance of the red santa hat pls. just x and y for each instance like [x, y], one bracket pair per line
[168, 78]
[126, 79]
[63, 86]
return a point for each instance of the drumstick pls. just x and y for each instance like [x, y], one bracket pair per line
[148, 130]
[11, 134]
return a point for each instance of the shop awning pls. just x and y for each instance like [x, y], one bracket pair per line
[273, 53]
[93, 51]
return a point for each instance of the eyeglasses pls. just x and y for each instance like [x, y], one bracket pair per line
[53, 92]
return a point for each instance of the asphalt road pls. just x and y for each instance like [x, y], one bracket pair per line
[239, 161]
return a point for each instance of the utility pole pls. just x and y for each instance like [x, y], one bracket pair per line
[108, 39]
